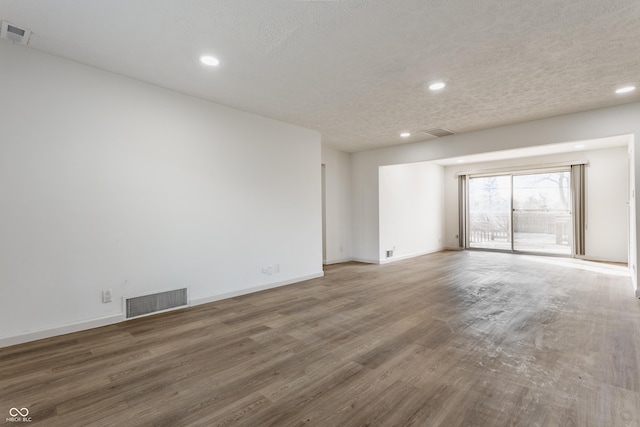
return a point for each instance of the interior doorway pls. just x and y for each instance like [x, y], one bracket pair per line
[323, 177]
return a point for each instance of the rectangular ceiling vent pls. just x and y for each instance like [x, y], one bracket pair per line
[439, 132]
[156, 303]
[14, 33]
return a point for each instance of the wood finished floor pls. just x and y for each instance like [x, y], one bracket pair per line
[448, 339]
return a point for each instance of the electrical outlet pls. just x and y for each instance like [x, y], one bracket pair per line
[106, 295]
[267, 270]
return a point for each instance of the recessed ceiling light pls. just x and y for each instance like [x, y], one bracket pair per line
[626, 89]
[437, 86]
[212, 61]
[405, 134]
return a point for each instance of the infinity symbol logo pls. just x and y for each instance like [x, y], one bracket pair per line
[14, 412]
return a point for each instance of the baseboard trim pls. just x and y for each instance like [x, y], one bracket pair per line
[218, 297]
[337, 261]
[366, 261]
[600, 259]
[400, 258]
[61, 330]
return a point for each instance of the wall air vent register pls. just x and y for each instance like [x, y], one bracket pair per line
[156, 303]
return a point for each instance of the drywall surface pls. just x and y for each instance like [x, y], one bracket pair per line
[618, 120]
[607, 208]
[109, 183]
[411, 210]
[607, 194]
[337, 204]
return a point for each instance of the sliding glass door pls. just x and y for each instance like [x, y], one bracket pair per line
[490, 212]
[527, 212]
[541, 213]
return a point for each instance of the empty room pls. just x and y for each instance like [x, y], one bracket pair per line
[324, 213]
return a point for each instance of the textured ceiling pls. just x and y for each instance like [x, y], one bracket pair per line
[356, 70]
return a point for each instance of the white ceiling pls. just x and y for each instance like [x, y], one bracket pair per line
[355, 70]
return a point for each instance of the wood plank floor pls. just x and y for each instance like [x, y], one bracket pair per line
[448, 339]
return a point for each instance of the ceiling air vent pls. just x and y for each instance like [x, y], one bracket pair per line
[14, 34]
[439, 132]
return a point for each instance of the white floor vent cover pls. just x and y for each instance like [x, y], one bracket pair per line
[154, 303]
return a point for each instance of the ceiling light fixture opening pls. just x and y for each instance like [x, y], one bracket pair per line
[625, 89]
[405, 134]
[209, 60]
[435, 86]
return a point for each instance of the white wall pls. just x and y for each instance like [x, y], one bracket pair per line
[411, 210]
[607, 194]
[107, 182]
[338, 204]
[607, 183]
[618, 120]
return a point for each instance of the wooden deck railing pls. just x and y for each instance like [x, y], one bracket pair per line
[496, 227]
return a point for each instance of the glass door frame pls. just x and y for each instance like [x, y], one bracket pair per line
[464, 211]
